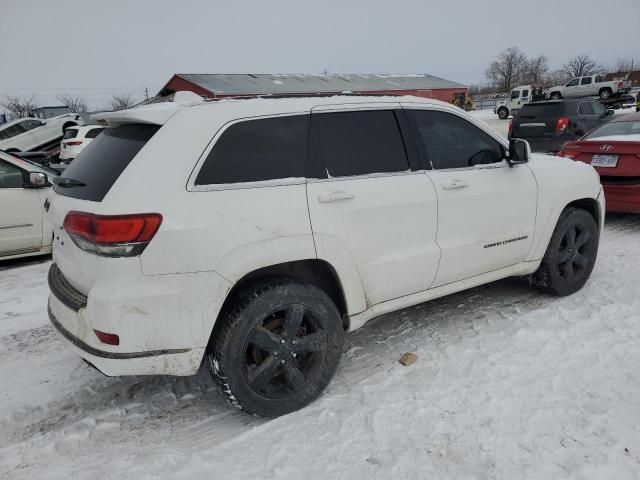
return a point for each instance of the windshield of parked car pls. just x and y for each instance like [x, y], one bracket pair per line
[615, 128]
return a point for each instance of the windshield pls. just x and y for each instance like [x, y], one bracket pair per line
[615, 128]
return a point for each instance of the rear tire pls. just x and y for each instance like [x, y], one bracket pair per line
[605, 93]
[556, 96]
[278, 347]
[571, 254]
[503, 113]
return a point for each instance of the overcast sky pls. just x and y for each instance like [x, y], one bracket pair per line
[97, 48]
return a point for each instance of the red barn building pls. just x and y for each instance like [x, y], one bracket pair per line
[238, 85]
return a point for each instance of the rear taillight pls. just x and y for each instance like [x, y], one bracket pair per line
[108, 338]
[620, 84]
[73, 142]
[510, 128]
[568, 153]
[561, 124]
[112, 235]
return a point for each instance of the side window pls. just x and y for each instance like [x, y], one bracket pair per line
[585, 109]
[598, 108]
[31, 124]
[93, 133]
[10, 176]
[515, 94]
[572, 83]
[254, 150]
[361, 143]
[12, 131]
[525, 93]
[449, 141]
[585, 81]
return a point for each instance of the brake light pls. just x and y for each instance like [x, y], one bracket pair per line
[112, 235]
[108, 338]
[74, 142]
[510, 128]
[620, 84]
[561, 124]
[568, 153]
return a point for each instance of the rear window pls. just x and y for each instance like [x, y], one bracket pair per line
[70, 133]
[93, 133]
[100, 164]
[615, 128]
[537, 110]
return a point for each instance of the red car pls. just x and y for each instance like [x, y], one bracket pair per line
[614, 150]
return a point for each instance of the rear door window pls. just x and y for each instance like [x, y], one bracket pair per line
[100, 164]
[449, 141]
[585, 81]
[93, 133]
[361, 143]
[257, 150]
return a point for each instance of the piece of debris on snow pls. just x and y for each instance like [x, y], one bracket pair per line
[408, 359]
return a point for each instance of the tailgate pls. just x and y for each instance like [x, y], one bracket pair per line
[77, 266]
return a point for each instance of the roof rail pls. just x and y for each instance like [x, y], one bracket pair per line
[302, 95]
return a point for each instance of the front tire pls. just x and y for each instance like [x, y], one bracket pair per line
[503, 113]
[571, 254]
[556, 96]
[278, 348]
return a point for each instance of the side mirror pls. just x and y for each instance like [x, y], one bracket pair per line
[519, 151]
[37, 180]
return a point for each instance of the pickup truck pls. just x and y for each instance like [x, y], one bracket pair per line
[589, 86]
[27, 134]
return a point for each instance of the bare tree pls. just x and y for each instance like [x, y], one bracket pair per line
[505, 72]
[122, 102]
[625, 65]
[581, 66]
[19, 107]
[73, 103]
[535, 70]
[556, 77]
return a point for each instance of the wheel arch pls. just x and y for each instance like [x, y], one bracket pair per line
[311, 271]
[590, 205]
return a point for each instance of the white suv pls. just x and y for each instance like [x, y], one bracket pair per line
[252, 234]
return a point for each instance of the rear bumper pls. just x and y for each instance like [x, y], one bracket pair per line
[623, 198]
[154, 362]
[163, 322]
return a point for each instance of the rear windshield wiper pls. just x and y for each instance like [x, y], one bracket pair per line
[68, 182]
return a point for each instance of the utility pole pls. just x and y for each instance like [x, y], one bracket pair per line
[146, 93]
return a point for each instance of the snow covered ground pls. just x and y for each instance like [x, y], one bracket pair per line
[509, 384]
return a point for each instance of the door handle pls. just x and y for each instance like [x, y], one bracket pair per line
[330, 197]
[454, 185]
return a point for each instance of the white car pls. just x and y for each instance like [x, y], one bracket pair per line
[251, 234]
[26, 134]
[23, 229]
[76, 139]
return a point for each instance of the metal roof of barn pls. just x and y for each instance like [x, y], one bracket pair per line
[248, 84]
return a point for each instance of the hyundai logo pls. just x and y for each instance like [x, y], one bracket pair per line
[606, 148]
